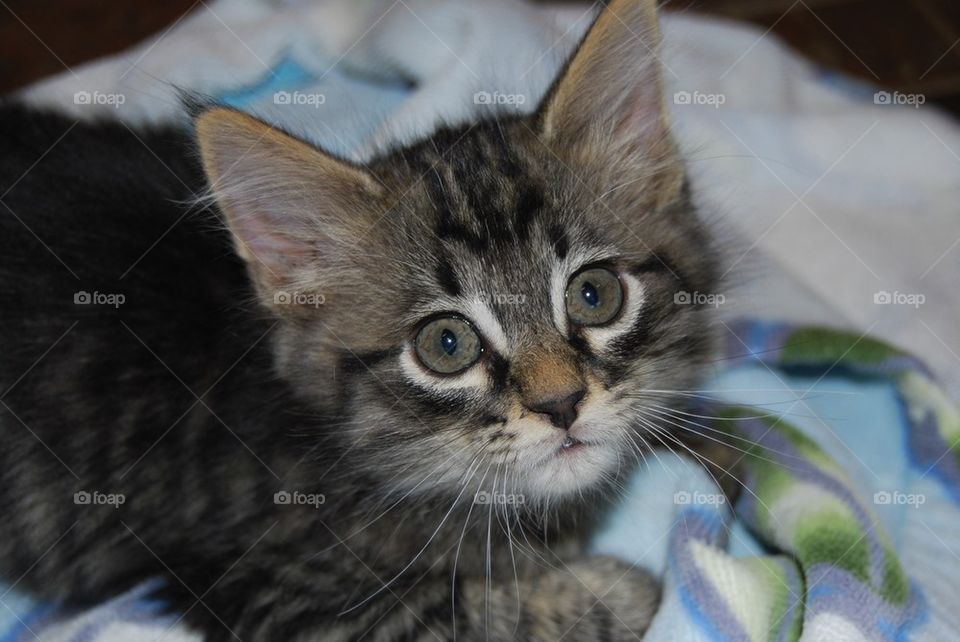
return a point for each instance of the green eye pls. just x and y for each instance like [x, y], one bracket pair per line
[447, 345]
[594, 297]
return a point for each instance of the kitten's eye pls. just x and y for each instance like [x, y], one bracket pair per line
[594, 297]
[447, 345]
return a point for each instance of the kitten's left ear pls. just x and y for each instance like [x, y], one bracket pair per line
[295, 213]
[608, 103]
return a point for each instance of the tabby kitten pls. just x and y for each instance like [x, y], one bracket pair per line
[339, 401]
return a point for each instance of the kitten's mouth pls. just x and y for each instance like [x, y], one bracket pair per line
[570, 449]
[570, 445]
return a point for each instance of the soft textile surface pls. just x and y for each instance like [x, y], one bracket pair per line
[848, 525]
[798, 168]
[858, 490]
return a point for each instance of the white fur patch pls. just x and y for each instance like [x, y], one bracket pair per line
[486, 322]
[558, 296]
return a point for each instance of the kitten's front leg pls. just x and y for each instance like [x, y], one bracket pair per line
[590, 598]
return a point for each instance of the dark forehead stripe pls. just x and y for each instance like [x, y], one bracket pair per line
[486, 203]
[487, 192]
[446, 277]
[560, 241]
[483, 193]
[529, 206]
[449, 227]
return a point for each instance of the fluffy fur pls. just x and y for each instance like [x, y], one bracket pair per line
[265, 345]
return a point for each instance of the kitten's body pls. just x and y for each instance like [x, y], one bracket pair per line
[188, 329]
[203, 394]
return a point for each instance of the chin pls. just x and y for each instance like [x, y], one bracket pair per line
[577, 470]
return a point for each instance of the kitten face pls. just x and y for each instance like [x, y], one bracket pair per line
[547, 404]
[497, 298]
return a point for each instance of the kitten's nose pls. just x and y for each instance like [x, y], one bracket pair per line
[562, 410]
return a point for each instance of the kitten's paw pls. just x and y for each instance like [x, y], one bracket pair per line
[591, 598]
[624, 597]
[595, 598]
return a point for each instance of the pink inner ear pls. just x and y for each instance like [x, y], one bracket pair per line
[642, 119]
[279, 253]
[640, 111]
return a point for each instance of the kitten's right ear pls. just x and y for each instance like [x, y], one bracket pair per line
[295, 213]
[607, 105]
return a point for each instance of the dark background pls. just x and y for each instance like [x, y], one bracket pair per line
[908, 45]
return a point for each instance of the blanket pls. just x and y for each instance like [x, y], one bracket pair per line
[848, 526]
[856, 502]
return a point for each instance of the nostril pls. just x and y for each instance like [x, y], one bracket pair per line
[561, 410]
[576, 398]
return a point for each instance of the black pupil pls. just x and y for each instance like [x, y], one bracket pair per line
[448, 341]
[590, 294]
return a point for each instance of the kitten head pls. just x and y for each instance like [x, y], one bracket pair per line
[492, 303]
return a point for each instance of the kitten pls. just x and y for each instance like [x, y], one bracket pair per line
[340, 401]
